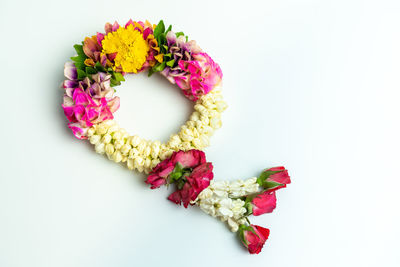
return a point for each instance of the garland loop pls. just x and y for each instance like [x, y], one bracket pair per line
[101, 63]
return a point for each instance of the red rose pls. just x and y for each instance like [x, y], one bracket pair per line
[253, 237]
[273, 179]
[198, 180]
[159, 175]
[189, 159]
[264, 203]
[188, 170]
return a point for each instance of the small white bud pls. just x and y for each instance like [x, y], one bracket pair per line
[106, 139]
[109, 149]
[117, 157]
[100, 148]
[94, 139]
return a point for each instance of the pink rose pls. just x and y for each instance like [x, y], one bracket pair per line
[273, 179]
[253, 237]
[160, 173]
[198, 180]
[264, 203]
[202, 75]
[188, 170]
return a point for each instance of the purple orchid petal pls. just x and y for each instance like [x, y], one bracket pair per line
[70, 71]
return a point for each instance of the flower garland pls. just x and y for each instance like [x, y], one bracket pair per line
[101, 63]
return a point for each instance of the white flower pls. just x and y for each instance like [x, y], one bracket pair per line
[106, 139]
[100, 148]
[240, 188]
[224, 210]
[135, 140]
[109, 149]
[233, 225]
[94, 139]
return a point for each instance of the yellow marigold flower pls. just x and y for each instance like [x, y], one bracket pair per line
[130, 46]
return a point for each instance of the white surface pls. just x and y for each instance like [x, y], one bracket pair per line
[311, 85]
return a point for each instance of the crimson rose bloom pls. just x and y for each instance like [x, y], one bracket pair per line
[253, 237]
[188, 170]
[264, 203]
[195, 183]
[275, 178]
[160, 173]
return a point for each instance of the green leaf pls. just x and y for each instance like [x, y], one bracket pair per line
[270, 184]
[179, 34]
[159, 67]
[169, 29]
[118, 76]
[79, 51]
[249, 209]
[160, 28]
[175, 176]
[81, 74]
[80, 65]
[114, 82]
[151, 72]
[187, 38]
[90, 70]
[171, 63]
[162, 40]
[99, 67]
[77, 59]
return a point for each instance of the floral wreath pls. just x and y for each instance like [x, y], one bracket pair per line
[89, 102]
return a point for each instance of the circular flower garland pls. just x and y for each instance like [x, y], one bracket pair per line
[89, 103]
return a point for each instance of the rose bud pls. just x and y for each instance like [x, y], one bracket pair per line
[263, 203]
[253, 237]
[273, 179]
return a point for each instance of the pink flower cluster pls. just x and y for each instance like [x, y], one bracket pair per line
[87, 102]
[188, 170]
[202, 74]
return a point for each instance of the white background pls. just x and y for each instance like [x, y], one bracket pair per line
[311, 85]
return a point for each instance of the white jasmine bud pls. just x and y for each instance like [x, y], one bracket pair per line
[155, 150]
[141, 147]
[117, 157]
[112, 129]
[174, 141]
[129, 163]
[135, 140]
[147, 163]
[100, 148]
[117, 135]
[138, 161]
[94, 139]
[133, 153]
[195, 116]
[125, 149]
[197, 143]
[91, 132]
[109, 149]
[101, 129]
[204, 120]
[118, 144]
[106, 139]
[147, 151]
